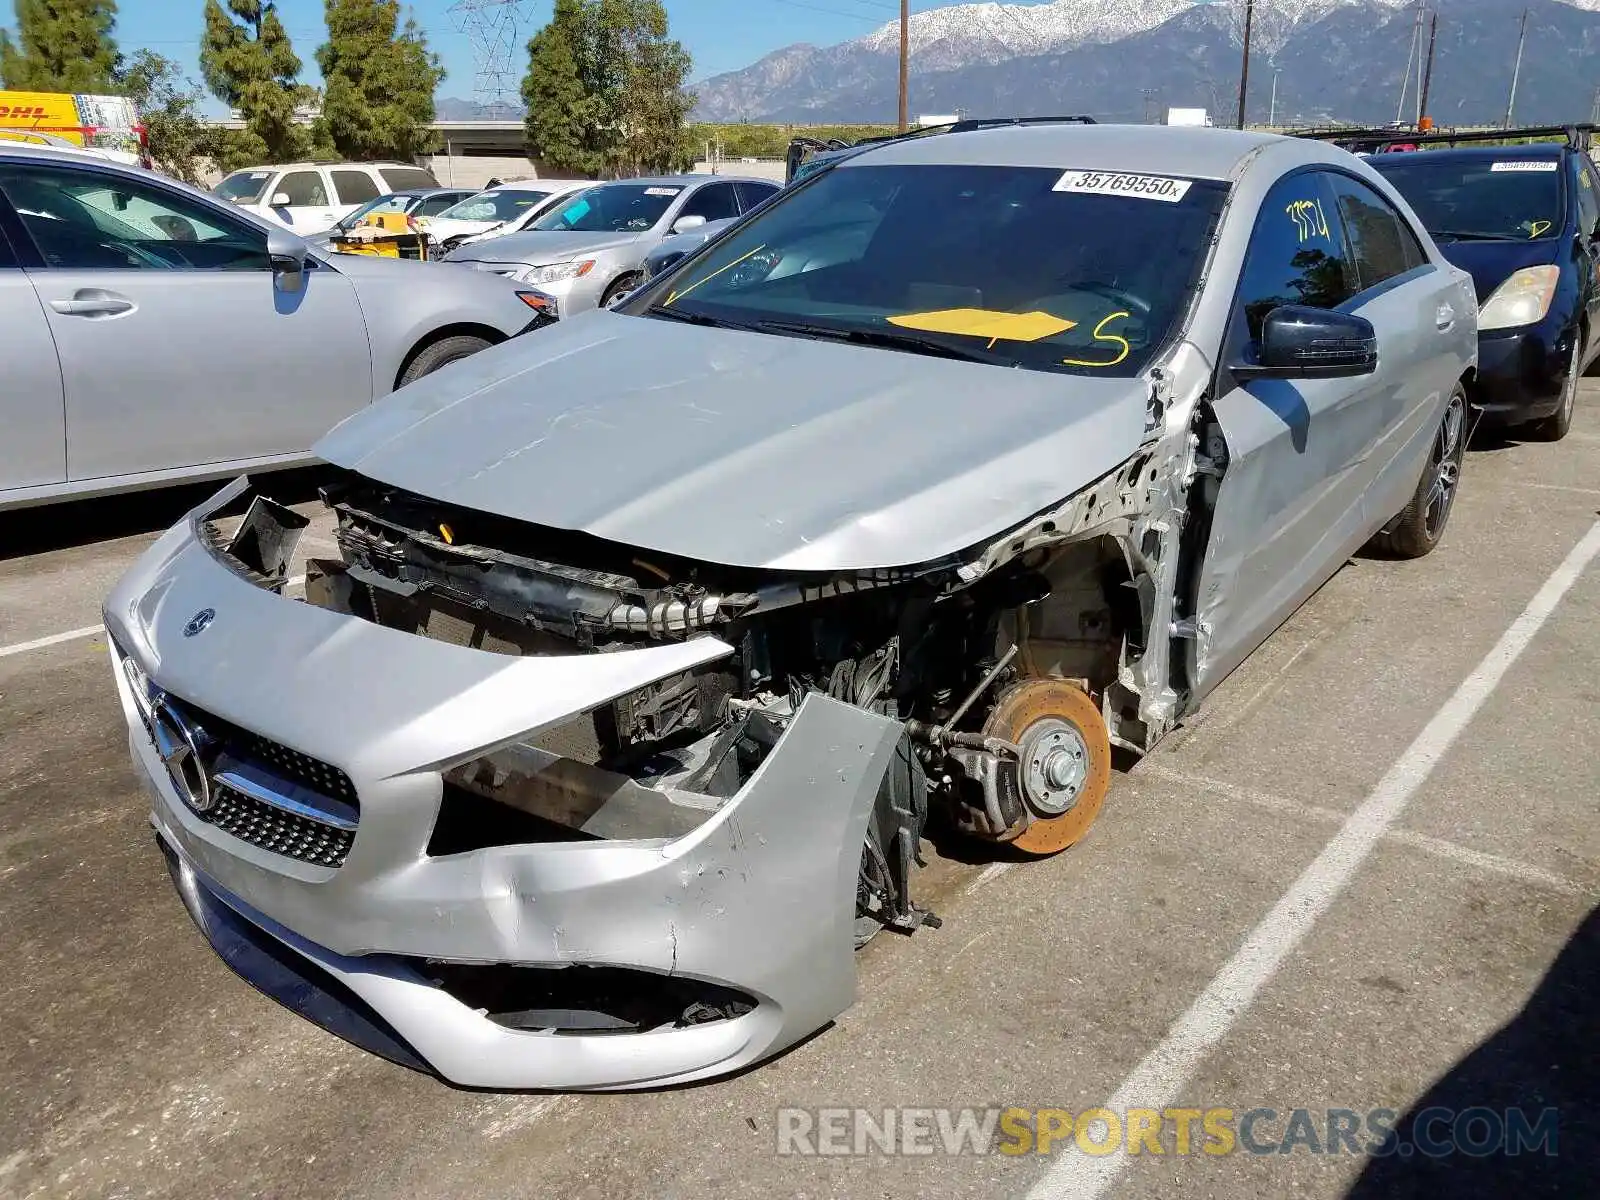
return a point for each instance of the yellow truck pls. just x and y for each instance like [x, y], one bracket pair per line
[108, 125]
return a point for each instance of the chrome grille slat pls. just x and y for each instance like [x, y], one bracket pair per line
[278, 831]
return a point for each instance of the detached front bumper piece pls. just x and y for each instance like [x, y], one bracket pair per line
[577, 963]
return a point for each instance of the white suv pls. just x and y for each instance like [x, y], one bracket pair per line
[310, 197]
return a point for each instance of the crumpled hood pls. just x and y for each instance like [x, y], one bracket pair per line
[743, 448]
[539, 249]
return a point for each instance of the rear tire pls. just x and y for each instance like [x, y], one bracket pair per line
[1422, 522]
[441, 353]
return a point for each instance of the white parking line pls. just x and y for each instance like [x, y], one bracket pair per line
[991, 872]
[1428, 844]
[70, 635]
[55, 639]
[1158, 1079]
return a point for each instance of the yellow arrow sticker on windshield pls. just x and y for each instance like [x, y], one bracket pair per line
[986, 323]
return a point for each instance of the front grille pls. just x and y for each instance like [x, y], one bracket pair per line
[271, 828]
[262, 791]
[294, 766]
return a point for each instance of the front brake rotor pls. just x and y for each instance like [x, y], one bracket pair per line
[1065, 767]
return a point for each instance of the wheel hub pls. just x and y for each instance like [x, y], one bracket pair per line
[1055, 765]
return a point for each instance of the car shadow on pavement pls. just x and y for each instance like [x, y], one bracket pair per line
[1546, 1057]
[59, 526]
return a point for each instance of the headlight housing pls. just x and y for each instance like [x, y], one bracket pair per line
[1524, 299]
[556, 272]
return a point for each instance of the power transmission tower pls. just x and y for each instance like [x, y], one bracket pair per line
[493, 27]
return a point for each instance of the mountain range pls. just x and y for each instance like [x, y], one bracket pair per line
[1129, 60]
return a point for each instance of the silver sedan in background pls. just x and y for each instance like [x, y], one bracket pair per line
[154, 334]
[587, 252]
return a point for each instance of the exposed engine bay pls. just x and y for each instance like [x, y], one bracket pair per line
[1009, 668]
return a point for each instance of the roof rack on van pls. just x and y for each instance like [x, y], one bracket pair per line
[804, 149]
[1382, 141]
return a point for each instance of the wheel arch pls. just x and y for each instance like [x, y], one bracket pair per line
[460, 329]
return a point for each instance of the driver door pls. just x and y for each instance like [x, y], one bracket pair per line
[177, 346]
[1289, 508]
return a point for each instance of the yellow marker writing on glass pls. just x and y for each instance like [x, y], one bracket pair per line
[1101, 336]
[676, 296]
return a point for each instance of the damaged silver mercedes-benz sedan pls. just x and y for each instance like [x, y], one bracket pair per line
[656, 639]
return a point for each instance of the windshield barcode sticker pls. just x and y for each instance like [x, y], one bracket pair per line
[1530, 165]
[1140, 187]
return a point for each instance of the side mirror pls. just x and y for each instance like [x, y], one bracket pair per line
[279, 200]
[287, 254]
[1312, 343]
[684, 224]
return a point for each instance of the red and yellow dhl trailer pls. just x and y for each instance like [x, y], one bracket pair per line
[109, 125]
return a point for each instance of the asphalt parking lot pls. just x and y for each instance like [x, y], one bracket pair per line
[1365, 877]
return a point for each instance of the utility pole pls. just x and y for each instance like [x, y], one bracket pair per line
[1427, 75]
[905, 65]
[1272, 109]
[1244, 66]
[1594, 109]
[1516, 71]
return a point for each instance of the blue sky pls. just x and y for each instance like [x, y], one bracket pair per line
[723, 35]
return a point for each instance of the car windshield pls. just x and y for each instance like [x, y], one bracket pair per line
[243, 187]
[611, 208]
[1079, 271]
[380, 204]
[1480, 197]
[500, 204]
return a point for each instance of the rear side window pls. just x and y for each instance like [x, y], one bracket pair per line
[354, 187]
[304, 189]
[1298, 253]
[752, 194]
[400, 179]
[714, 202]
[1382, 245]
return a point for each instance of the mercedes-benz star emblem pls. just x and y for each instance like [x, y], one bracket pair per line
[181, 745]
[200, 622]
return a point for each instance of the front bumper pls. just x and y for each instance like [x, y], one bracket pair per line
[1521, 373]
[760, 898]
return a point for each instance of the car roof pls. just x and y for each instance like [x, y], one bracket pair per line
[332, 166]
[512, 185]
[1196, 153]
[1534, 150]
[685, 180]
[69, 152]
